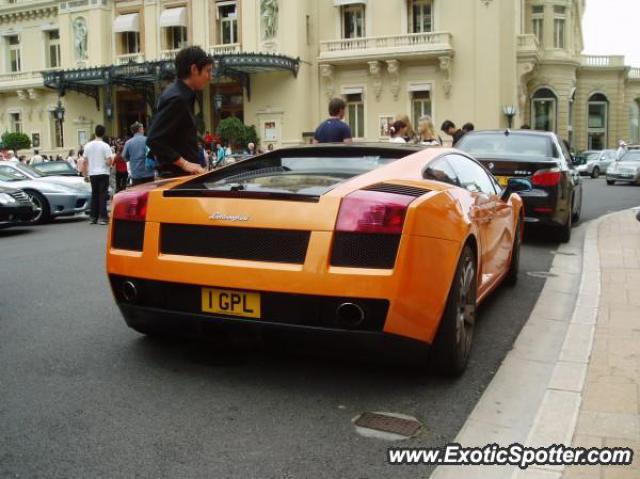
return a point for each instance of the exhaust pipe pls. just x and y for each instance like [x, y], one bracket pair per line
[350, 314]
[129, 291]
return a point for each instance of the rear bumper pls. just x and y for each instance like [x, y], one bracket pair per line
[542, 208]
[203, 326]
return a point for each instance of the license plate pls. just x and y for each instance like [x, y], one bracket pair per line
[231, 303]
[502, 180]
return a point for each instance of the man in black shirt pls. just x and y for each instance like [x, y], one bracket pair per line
[450, 129]
[173, 135]
[333, 129]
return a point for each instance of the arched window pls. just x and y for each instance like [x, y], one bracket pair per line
[543, 110]
[634, 121]
[598, 121]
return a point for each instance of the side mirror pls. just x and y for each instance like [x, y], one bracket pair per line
[516, 185]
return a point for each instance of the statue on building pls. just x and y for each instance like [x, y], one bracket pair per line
[80, 33]
[269, 17]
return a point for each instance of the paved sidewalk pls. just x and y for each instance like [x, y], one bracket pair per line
[610, 410]
[573, 375]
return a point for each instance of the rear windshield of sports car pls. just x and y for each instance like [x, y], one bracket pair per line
[291, 173]
[501, 145]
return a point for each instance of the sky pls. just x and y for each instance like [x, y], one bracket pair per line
[610, 27]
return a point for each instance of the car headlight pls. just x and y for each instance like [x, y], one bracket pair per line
[6, 199]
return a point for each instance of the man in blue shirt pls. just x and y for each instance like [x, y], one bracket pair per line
[333, 129]
[134, 152]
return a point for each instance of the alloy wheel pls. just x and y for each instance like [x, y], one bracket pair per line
[466, 308]
[38, 207]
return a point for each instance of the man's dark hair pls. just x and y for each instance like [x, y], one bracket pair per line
[100, 131]
[35, 152]
[468, 127]
[336, 105]
[446, 125]
[191, 56]
[525, 127]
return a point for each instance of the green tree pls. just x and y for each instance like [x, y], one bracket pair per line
[16, 141]
[231, 131]
[250, 135]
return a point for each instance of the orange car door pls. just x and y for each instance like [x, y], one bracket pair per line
[474, 178]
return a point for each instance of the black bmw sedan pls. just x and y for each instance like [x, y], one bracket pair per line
[15, 207]
[541, 157]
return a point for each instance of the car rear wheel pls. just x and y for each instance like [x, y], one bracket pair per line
[452, 346]
[564, 231]
[514, 266]
[41, 210]
[595, 173]
[611, 182]
[578, 212]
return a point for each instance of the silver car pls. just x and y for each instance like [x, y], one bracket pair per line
[595, 162]
[51, 199]
[626, 169]
[32, 174]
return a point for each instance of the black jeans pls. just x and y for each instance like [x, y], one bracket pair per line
[140, 181]
[121, 181]
[99, 192]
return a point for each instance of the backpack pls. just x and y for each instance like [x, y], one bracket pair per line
[150, 162]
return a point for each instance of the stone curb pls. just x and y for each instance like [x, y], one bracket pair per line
[535, 396]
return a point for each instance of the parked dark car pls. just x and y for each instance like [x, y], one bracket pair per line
[541, 157]
[15, 207]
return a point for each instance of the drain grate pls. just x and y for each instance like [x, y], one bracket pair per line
[390, 424]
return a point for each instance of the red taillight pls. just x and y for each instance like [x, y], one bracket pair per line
[130, 205]
[549, 177]
[373, 212]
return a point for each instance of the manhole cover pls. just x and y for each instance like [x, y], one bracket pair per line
[389, 424]
[541, 274]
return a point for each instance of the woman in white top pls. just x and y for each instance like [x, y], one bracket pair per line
[397, 132]
[426, 132]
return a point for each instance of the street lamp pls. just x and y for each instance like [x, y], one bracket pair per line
[217, 101]
[510, 111]
[59, 114]
[109, 110]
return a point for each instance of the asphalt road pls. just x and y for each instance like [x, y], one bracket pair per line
[82, 396]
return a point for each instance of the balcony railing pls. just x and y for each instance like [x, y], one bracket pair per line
[130, 57]
[20, 76]
[409, 44]
[169, 54]
[225, 49]
[603, 60]
[528, 42]
[634, 73]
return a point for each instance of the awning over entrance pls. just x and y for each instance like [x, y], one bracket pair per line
[146, 77]
[174, 17]
[127, 23]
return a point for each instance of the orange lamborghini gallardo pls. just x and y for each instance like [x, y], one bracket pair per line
[391, 245]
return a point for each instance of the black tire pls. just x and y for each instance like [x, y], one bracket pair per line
[595, 173]
[452, 345]
[43, 211]
[514, 265]
[564, 231]
[611, 182]
[578, 213]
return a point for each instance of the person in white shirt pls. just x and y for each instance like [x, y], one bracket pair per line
[11, 156]
[35, 159]
[71, 160]
[397, 132]
[622, 149]
[99, 160]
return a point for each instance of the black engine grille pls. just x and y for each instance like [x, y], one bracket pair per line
[364, 250]
[256, 244]
[128, 235]
[284, 308]
[21, 197]
[398, 189]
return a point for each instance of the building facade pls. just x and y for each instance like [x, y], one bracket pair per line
[280, 61]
